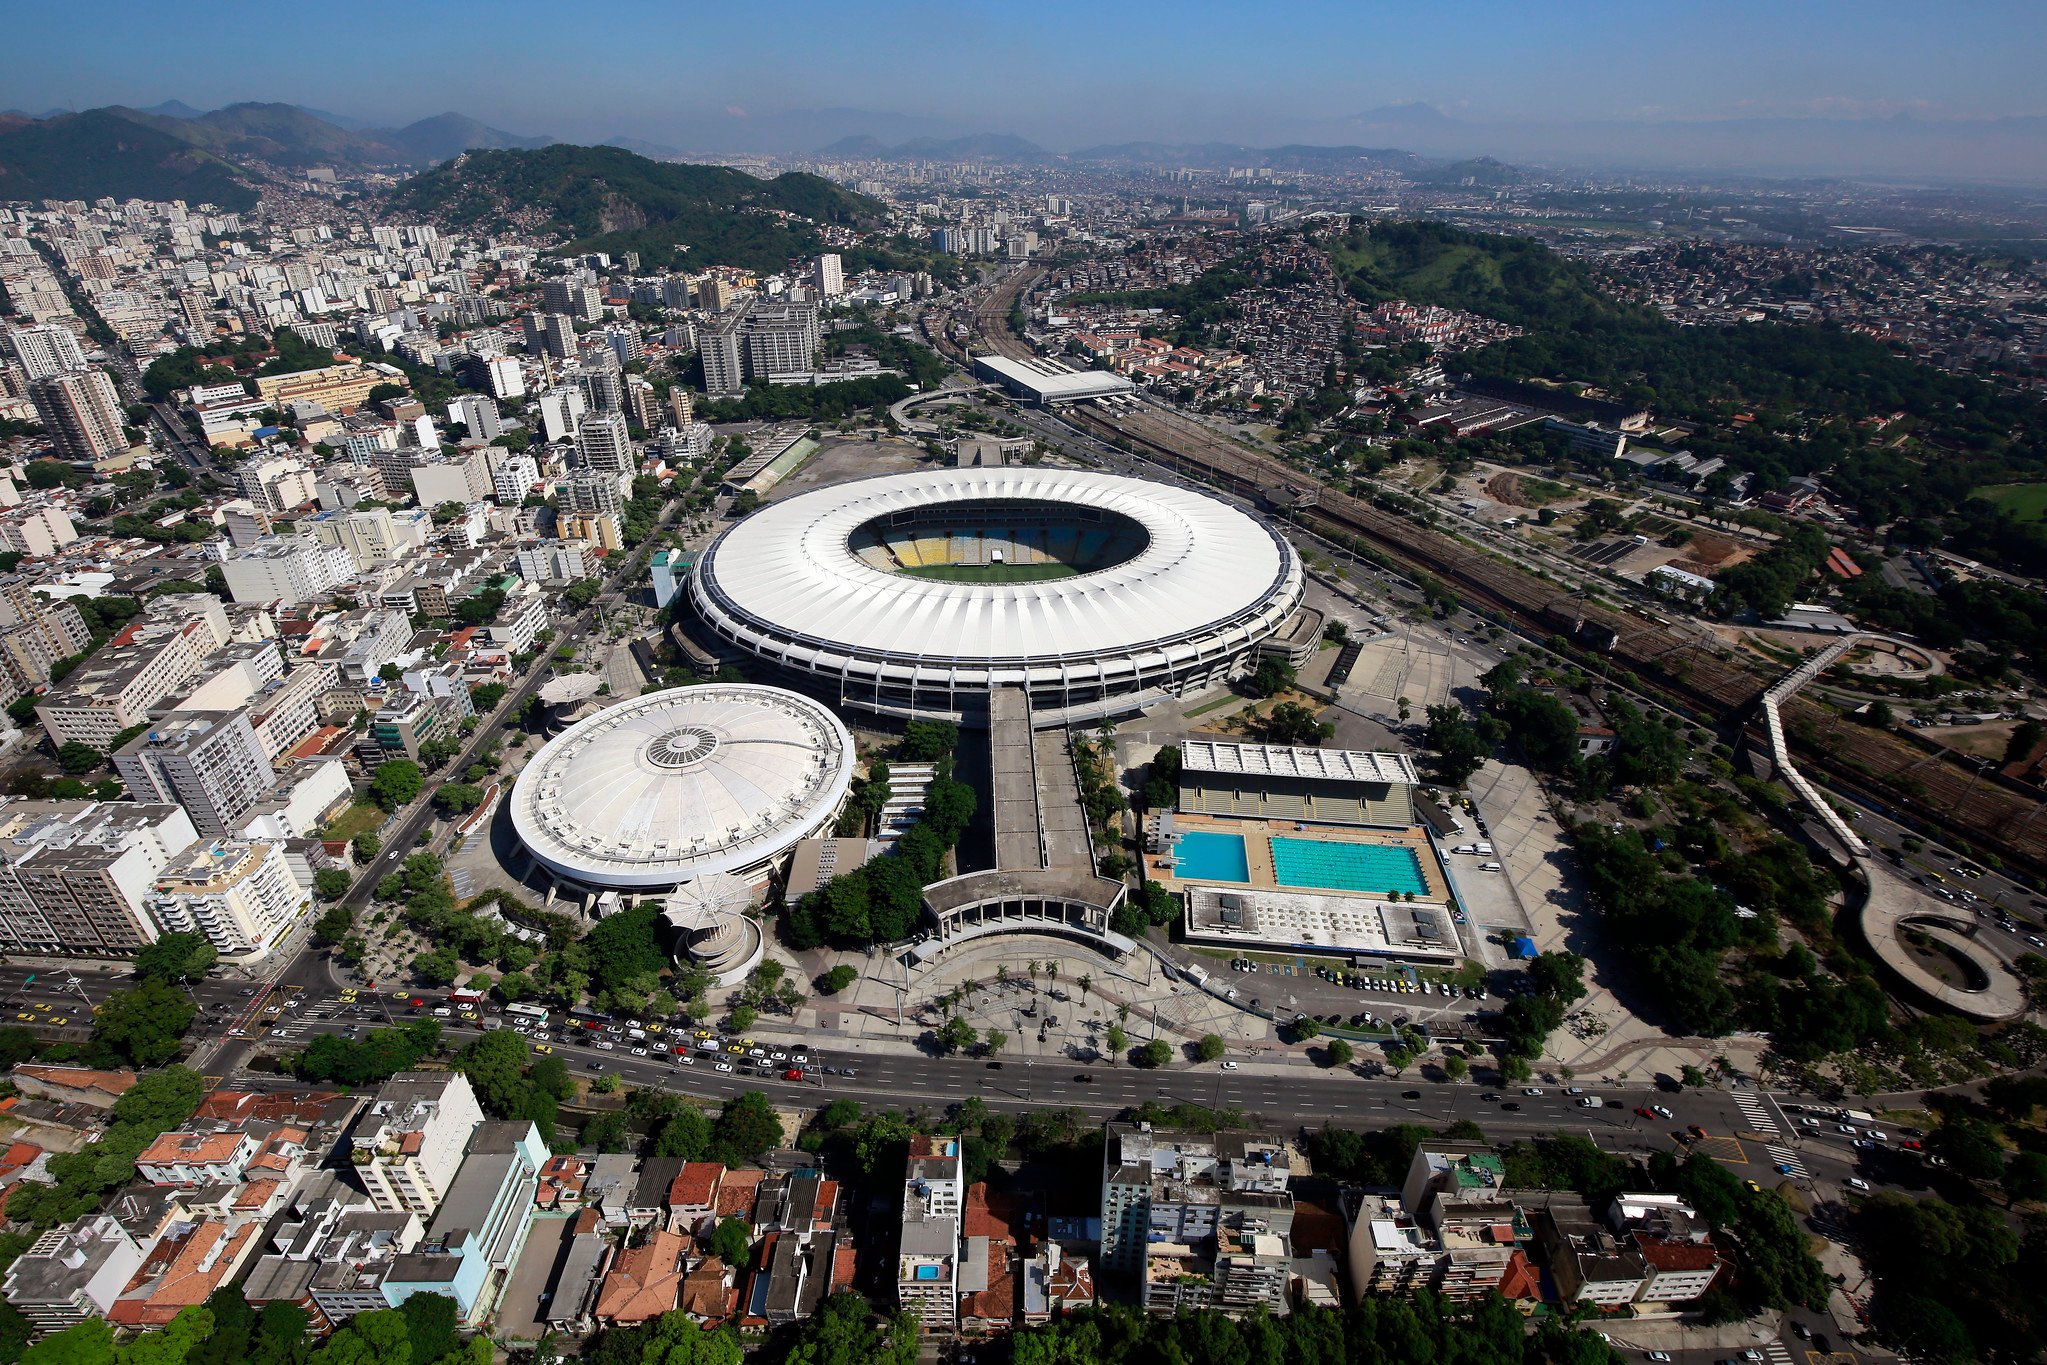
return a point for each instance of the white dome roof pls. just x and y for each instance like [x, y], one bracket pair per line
[683, 783]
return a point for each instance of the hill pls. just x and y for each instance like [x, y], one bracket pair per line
[282, 134]
[449, 135]
[1515, 279]
[608, 199]
[99, 152]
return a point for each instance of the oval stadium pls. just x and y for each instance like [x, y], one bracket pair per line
[913, 595]
[689, 783]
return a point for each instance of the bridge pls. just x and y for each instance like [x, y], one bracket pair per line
[1892, 906]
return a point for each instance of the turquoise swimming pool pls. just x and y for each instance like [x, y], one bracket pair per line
[1204, 856]
[1375, 869]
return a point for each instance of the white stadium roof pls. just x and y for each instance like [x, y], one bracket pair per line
[789, 569]
[1279, 760]
[682, 784]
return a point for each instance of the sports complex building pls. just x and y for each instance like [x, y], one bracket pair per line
[915, 595]
[1275, 848]
[692, 796]
[1044, 383]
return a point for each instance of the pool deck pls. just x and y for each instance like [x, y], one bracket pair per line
[1258, 836]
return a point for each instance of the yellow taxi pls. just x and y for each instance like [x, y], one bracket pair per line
[467, 1014]
[654, 1028]
[542, 1048]
[30, 1017]
[703, 1033]
[60, 1021]
[735, 1047]
[401, 995]
[42, 1005]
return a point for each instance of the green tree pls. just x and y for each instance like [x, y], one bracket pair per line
[396, 783]
[1338, 1053]
[176, 958]
[1456, 1066]
[686, 1133]
[143, 1026]
[956, 1034]
[458, 798]
[334, 924]
[746, 1127]
[731, 1240]
[1155, 1053]
[836, 980]
[1116, 1040]
[1210, 1048]
[606, 1132]
[331, 883]
[77, 758]
[90, 1342]
[366, 846]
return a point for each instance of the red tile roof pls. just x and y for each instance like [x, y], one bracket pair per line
[644, 1281]
[696, 1185]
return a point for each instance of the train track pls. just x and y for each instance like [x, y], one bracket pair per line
[1895, 775]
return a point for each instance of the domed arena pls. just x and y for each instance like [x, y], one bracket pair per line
[914, 595]
[689, 783]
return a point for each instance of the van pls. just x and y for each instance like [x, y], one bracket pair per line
[1481, 848]
[1489, 867]
[1465, 848]
[1589, 1102]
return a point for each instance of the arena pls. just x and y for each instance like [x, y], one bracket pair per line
[713, 782]
[913, 595]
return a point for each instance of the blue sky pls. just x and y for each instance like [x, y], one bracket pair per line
[1064, 74]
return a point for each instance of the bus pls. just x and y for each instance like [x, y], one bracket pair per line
[533, 1012]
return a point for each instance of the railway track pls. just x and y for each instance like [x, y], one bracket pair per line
[1895, 775]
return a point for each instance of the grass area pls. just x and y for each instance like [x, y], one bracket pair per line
[357, 819]
[990, 573]
[2025, 501]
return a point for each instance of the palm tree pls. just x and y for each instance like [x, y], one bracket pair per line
[1051, 973]
[1085, 982]
[1002, 972]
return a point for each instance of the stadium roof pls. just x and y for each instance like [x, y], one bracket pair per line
[1277, 760]
[1043, 381]
[682, 784]
[789, 570]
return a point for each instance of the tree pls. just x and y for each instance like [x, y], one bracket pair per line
[2025, 1179]
[746, 1127]
[1155, 1053]
[1210, 1048]
[1456, 1066]
[1273, 676]
[366, 845]
[1461, 748]
[686, 1133]
[331, 883]
[1399, 1059]
[90, 1342]
[77, 758]
[1117, 1040]
[1338, 1053]
[144, 1025]
[606, 1132]
[334, 924]
[836, 980]
[731, 1240]
[743, 1017]
[176, 957]
[956, 1034]
[992, 1042]
[458, 798]
[396, 783]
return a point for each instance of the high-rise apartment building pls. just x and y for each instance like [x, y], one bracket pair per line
[81, 413]
[240, 893]
[781, 339]
[829, 275]
[605, 444]
[75, 875]
[1203, 1221]
[603, 385]
[723, 351]
[209, 762]
[552, 334]
[513, 476]
[497, 375]
[682, 409]
[714, 294]
[44, 351]
[287, 569]
[561, 410]
[479, 413]
[581, 302]
[409, 1143]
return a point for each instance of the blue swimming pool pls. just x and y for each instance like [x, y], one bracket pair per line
[1204, 856]
[1375, 869]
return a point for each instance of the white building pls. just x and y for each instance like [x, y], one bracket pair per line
[513, 477]
[240, 894]
[287, 569]
[408, 1145]
[38, 531]
[478, 413]
[74, 874]
[829, 275]
[44, 351]
[209, 762]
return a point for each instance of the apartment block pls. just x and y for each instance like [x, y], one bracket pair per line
[409, 1143]
[240, 893]
[287, 569]
[38, 530]
[75, 875]
[81, 413]
[73, 1273]
[115, 689]
[481, 1223]
[209, 762]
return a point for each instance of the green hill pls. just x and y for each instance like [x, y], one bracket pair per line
[85, 156]
[1514, 279]
[283, 134]
[608, 199]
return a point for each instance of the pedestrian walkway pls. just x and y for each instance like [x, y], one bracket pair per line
[1756, 1110]
[1777, 1353]
[1785, 1157]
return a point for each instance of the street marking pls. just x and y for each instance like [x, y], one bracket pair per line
[1784, 1156]
[1722, 1149]
[1756, 1110]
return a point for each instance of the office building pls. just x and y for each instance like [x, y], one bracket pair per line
[81, 414]
[44, 351]
[409, 1143]
[240, 893]
[829, 276]
[605, 444]
[209, 762]
[479, 413]
[77, 873]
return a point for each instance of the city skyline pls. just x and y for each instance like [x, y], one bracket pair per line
[1822, 89]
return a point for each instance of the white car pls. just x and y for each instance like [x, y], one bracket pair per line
[639, 1052]
[1531, 1090]
[1574, 1090]
[724, 1066]
[1229, 1066]
[1660, 1111]
[1875, 1135]
[1660, 1357]
[1856, 1182]
[606, 1044]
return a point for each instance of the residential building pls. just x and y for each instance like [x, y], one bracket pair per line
[74, 875]
[462, 479]
[644, 1281]
[480, 1225]
[497, 375]
[378, 536]
[44, 351]
[561, 411]
[287, 569]
[81, 414]
[1454, 1230]
[828, 275]
[409, 1144]
[39, 530]
[277, 485]
[404, 723]
[115, 689]
[1183, 1189]
[1588, 1260]
[197, 1158]
[669, 568]
[582, 302]
[73, 1273]
[555, 561]
[927, 1257]
[722, 350]
[513, 477]
[240, 893]
[337, 388]
[780, 339]
[209, 762]
[605, 445]
[479, 413]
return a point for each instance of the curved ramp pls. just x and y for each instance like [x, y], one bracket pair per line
[1892, 905]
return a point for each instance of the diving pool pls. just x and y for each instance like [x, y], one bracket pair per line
[1375, 869]
[1204, 856]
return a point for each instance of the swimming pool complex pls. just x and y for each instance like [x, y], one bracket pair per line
[1205, 856]
[1376, 869]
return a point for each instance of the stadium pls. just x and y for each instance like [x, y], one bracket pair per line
[711, 784]
[913, 595]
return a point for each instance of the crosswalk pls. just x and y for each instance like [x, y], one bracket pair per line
[1756, 1110]
[1777, 1353]
[1784, 1156]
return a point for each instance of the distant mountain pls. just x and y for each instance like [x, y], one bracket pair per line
[1482, 172]
[448, 135]
[351, 123]
[175, 109]
[100, 152]
[658, 151]
[975, 147]
[282, 134]
[608, 199]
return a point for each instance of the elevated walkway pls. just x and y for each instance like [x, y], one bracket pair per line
[1894, 906]
[1780, 751]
